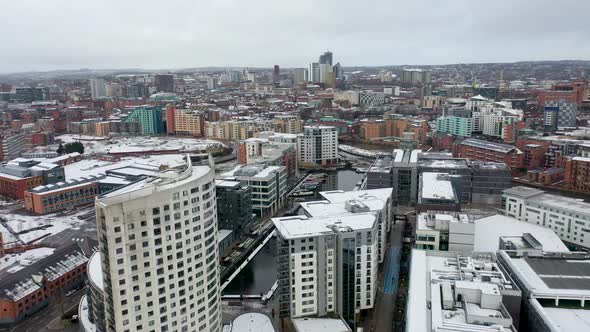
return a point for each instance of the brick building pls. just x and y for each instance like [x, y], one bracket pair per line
[534, 155]
[184, 122]
[577, 173]
[52, 198]
[21, 175]
[575, 92]
[32, 288]
[369, 129]
[477, 149]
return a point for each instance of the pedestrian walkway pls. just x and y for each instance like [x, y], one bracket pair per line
[391, 276]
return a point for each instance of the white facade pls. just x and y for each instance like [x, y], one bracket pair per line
[158, 242]
[457, 292]
[318, 146]
[569, 218]
[327, 265]
[269, 185]
[492, 119]
[325, 70]
[448, 231]
[475, 103]
[338, 202]
[97, 88]
[299, 75]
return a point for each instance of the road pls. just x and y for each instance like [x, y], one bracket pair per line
[381, 317]
[48, 319]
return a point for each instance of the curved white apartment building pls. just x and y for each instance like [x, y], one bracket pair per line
[159, 256]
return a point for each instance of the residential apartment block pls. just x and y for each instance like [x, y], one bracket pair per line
[269, 186]
[234, 206]
[159, 253]
[338, 202]
[567, 217]
[327, 265]
[184, 122]
[318, 146]
[150, 119]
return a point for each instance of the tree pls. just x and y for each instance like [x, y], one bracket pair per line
[74, 147]
[60, 149]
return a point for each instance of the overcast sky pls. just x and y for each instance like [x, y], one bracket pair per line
[72, 34]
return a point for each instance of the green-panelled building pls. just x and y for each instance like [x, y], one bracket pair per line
[454, 125]
[150, 119]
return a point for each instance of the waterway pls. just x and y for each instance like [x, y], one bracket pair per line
[260, 274]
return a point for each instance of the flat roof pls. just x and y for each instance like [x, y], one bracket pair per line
[320, 325]
[569, 319]
[489, 230]
[499, 147]
[336, 196]
[523, 191]
[303, 226]
[327, 208]
[227, 183]
[436, 186]
[432, 271]
[252, 322]
[95, 270]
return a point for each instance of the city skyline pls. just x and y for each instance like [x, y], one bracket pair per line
[264, 35]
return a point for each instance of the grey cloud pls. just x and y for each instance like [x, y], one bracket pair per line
[65, 34]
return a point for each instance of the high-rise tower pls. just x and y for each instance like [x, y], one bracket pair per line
[159, 255]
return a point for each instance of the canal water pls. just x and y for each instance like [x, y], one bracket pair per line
[260, 274]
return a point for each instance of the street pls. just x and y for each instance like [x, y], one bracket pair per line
[381, 318]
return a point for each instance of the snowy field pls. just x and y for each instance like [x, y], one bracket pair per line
[100, 145]
[27, 228]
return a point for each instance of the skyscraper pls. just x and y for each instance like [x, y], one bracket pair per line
[97, 88]
[159, 254]
[211, 83]
[276, 74]
[299, 76]
[338, 71]
[325, 70]
[326, 58]
[314, 72]
[164, 83]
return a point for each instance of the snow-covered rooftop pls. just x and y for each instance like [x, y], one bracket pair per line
[320, 325]
[302, 226]
[436, 186]
[164, 180]
[252, 322]
[94, 270]
[489, 230]
[339, 196]
[433, 273]
[100, 145]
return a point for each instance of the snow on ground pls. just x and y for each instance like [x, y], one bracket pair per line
[101, 145]
[3, 201]
[14, 262]
[7, 236]
[31, 227]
